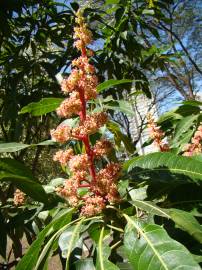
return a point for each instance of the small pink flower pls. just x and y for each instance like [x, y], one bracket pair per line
[79, 163]
[63, 156]
[93, 206]
[61, 134]
[70, 106]
[102, 147]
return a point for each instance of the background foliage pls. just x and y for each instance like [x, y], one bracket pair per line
[135, 41]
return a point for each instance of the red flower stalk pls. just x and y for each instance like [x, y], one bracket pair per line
[81, 87]
[156, 134]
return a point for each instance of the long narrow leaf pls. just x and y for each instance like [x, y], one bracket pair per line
[29, 260]
[107, 84]
[42, 107]
[165, 162]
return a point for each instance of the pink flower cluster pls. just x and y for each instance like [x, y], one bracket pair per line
[156, 134]
[19, 198]
[70, 106]
[63, 156]
[102, 147]
[90, 125]
[195, 147]
[80, 87]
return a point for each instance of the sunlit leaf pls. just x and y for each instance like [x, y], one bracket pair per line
[42, 107]
[148, 246]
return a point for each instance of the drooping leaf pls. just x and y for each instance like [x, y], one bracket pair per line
[165, 163]
[103, 252]
[151, 208]
[29, 187]
[12, 147]
[187, 222]
[138, 193]
[72, 241]
[192, 103]
[47, 142]
[148, 246]
[107, 84]
[14, 171]
[183, 126]
[65, 239]
[120, 137]
[42, 107]
[15, 167]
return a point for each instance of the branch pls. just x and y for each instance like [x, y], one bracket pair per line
[182, 45]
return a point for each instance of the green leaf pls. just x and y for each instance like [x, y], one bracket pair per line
[74, 238]
[29, 260]
[14, 171]
[65, 239]
[111, 2]
[120, 105]
[148, 246]
[107, 84]
[3, 242]
[82, 191]
[187, 223]
[151, 208]
[12, 147]
[47, 142]
[183, 126]
[120, 137]
[192, 103]
[103, 252]
[165, 162]
[15, 167]
[85, 264]
[30, 187]
[42, 107]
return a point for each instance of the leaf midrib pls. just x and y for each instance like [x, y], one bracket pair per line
[100, 249]
[148, 241]
[169, 169]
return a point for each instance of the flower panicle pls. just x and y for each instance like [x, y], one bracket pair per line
[80, 86]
